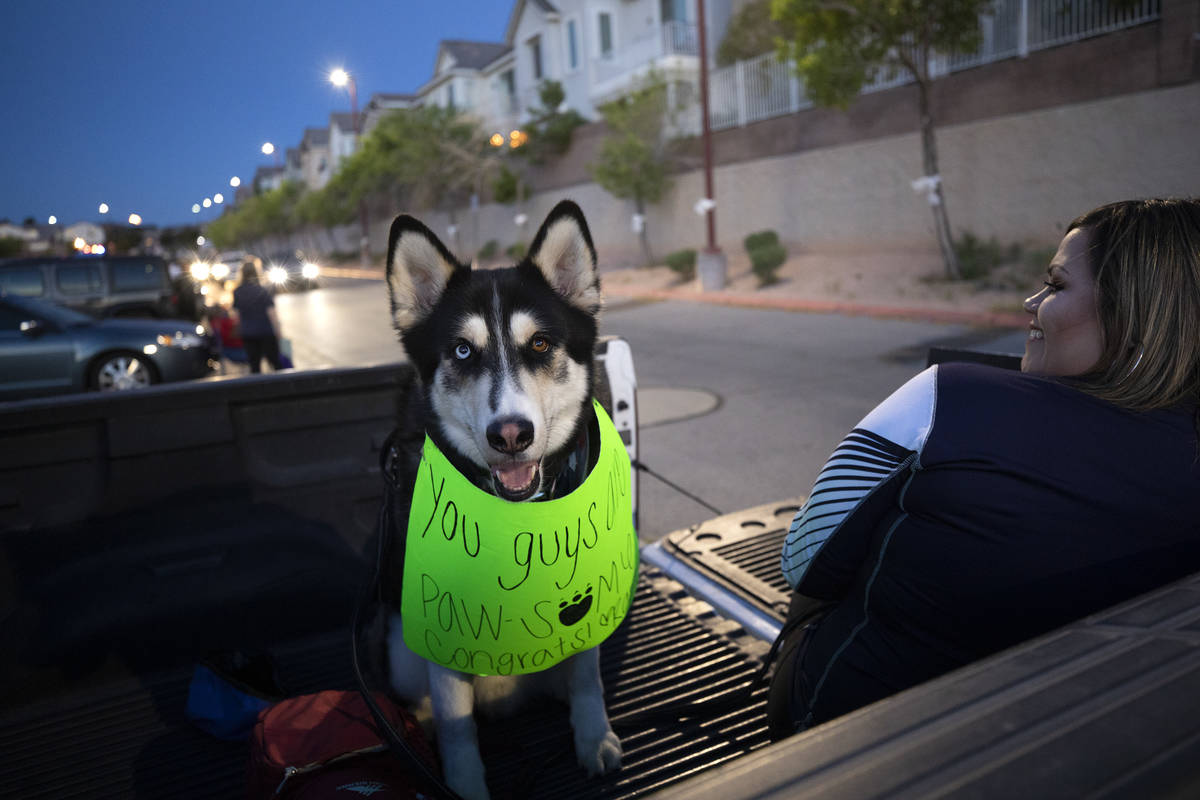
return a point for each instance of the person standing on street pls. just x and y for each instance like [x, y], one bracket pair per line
[254, 306]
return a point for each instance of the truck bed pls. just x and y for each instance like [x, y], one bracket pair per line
[140, 533]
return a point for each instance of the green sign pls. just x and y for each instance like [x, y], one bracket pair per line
[493, 587]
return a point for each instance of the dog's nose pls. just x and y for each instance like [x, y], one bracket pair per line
[510, 434]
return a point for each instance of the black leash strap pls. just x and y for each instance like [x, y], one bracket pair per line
[639, 465]
[395, 741]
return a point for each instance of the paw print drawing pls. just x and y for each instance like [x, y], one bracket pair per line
[570, 612]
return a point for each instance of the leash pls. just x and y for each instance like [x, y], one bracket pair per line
[397, 743]
[641, 466]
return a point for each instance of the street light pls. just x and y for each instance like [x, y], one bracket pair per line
[235, 181]
[207, 203]
[341, 79]
[218, 198]
[268, 148]
[104, 208]
[53, 220]
[135, 219]
[195, 208]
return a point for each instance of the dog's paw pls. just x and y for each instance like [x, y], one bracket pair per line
[599, 755]
[464, 774]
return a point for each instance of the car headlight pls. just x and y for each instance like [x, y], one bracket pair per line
[181, 339]
[310, 271]
[199, 271]
[277, 275]
[220, 271]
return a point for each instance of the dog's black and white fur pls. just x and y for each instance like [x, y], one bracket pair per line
[505, 362]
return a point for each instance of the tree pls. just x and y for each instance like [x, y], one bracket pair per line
[840, 45]
[426, 157]
[750, 33]
[635, 157]
[550, 126]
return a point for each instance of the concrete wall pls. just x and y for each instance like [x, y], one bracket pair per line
[1020, 178]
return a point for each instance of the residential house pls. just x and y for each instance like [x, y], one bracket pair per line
[292, 168]
[462, 75]
[89, 232]
[34, 238]
[265, 179]
[381, 104]
[600, 49]
[343, 137]
[315, 168]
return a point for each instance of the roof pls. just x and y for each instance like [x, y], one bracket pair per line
[384, 97]
[471, 55]
[266, 172]
[315, 137]
[544, 6]
[342, 119]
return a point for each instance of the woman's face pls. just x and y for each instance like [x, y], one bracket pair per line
[1064, 335]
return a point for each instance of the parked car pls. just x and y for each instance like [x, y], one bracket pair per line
[290, 270]
[47, 349]
[103, 286]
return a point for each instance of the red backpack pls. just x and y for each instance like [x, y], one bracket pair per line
[325, 745]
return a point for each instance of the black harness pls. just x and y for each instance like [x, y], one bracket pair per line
[389, 459]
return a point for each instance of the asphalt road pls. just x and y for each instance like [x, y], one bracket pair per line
[738, 406]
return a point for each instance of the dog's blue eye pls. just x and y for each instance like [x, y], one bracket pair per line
[463, 351]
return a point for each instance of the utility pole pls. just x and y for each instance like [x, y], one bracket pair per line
[711, 263]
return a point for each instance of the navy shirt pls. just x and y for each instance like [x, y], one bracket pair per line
[975, 509]
[252, 301]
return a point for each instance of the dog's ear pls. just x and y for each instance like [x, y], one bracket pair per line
[418, 267]
[563, 251]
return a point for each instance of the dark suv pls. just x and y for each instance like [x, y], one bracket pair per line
[103, 286]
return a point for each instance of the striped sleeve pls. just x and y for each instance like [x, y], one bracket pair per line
[879, 448]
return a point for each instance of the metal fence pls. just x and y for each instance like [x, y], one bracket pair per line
[766, 87]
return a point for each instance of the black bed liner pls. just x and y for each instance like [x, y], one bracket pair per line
[130, 739]
[1106, 707]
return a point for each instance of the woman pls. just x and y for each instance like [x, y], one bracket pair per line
[976, 508]
[258, 323]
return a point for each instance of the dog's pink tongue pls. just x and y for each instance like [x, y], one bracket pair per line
[515, 476]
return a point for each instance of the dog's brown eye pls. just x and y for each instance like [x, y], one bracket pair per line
[539, 344]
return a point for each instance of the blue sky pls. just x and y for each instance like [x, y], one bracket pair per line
[152, 106]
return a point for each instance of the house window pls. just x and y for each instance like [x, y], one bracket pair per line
[674, 10]
[508, 83]
[535, 54]
[572, 45]
[606, 38]
[450, 95]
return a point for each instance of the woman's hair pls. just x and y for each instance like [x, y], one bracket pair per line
[1145, 255]
[249, 272]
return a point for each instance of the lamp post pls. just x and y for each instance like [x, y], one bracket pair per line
[711, 263]
[341, 78]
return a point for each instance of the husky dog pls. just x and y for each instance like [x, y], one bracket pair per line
[505, 364]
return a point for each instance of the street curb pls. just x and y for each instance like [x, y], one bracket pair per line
[998, 319]
[993, 319]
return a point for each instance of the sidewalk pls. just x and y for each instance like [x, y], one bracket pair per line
[897, 285]
[893, 285]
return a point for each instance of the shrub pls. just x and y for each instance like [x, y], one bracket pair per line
[766, 260]
[515, 251]
[977, 258]
[760, 239]
[489, 250]
[683, 262]
[11, 246]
